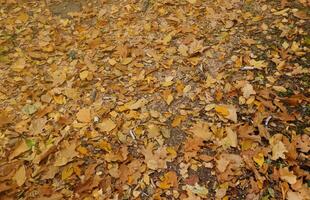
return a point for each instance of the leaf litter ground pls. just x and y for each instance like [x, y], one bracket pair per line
[149, 99]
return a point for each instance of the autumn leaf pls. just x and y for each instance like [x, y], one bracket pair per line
[20, 176]
[227, 111]
[201, 130]
[287, 176]
[84, 115]
[169, 180]
[277, 147]
[107, 125]
[248, 90]
[21, 148]
[66, 154]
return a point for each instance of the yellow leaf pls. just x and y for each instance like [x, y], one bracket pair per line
[126, 61]
[82, 150]
[279, 88]
[227, 111]
[104, 145]
[21, 148]
[112, 61]
[84, 75]
[60, 99]
[201, 130]
[20, 176]
[167, 39]
[192, 1]
[84, 115]
[231, 139]
[169, 180]
[66, 173]
[136, 105]
[23, 17]
[171, 151]
[19, 65]
[248, 90]
[259, 159]
[183, 50]
[153, 131]
[177, 120]
[169, 99]
[107, 125]
[222, 110]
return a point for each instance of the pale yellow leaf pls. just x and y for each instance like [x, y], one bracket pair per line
[106, 125]
[20, 176]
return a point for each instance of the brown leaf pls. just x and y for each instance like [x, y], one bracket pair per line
[66, 154]
[21, 148]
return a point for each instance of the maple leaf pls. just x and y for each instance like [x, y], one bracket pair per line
[248, 90]
[169, 180]
[201, 130]
[227, 111]
[278, 148]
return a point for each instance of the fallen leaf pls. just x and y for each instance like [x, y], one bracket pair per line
[19, 65]
[287, 176]
[183, 50]
[277, 147]
[201, 130]
[21, 148]
[66, 173]
[191, 1]
[106, 125]
[294, 196]
[259, 159]
[20, 176]
[84, 115]
[153, 131]
[248, 90]
[231, 139]
[169, 180]
[227, 111]
[66, 154]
